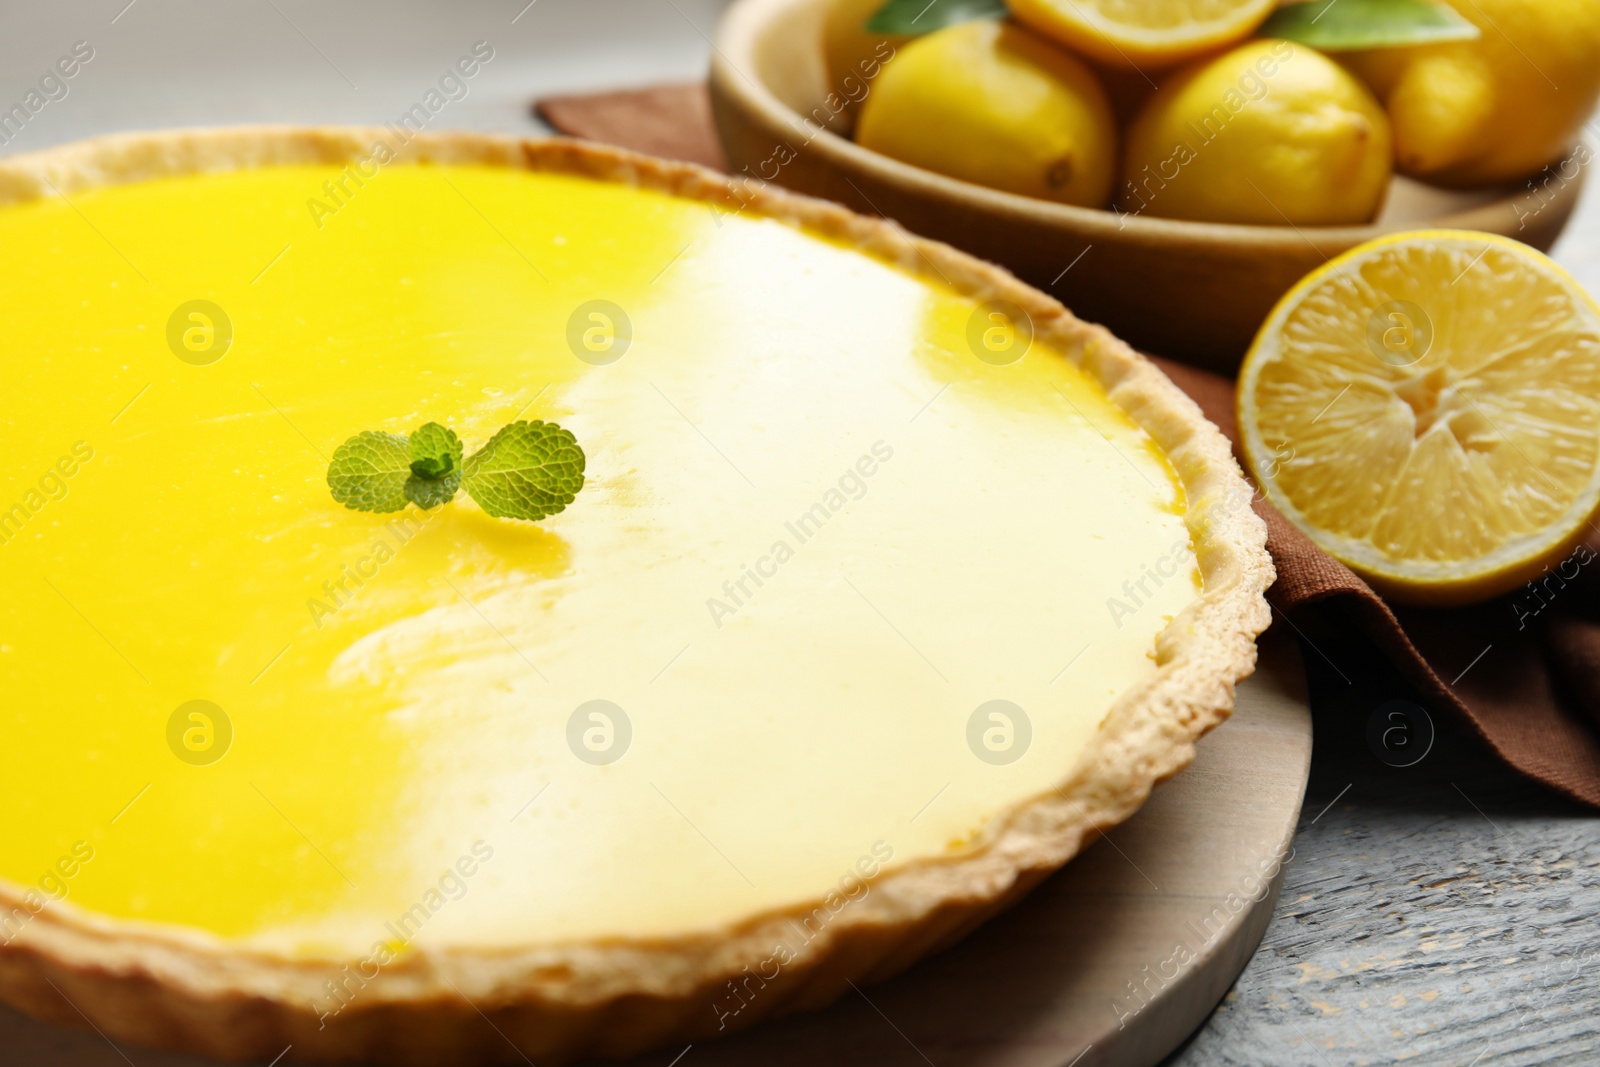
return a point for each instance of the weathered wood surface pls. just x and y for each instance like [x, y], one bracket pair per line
[1444, 913]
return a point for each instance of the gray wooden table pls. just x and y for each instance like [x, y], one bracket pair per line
[1445, 913]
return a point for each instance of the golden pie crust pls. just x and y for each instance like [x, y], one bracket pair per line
[188, 991]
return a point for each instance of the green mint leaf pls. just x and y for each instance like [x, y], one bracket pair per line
[909, 18]
[435, 451]
[527, 471]
[428, 493]
[1347, 25]
[435, 466]
[369, 472]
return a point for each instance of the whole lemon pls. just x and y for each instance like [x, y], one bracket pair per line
[989, 102]
[1269, 133]
[854, 56]
[1498, 107]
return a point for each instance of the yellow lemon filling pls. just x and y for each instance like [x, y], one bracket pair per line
[837, 591]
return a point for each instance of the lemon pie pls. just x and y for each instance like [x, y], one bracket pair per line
[888, 585]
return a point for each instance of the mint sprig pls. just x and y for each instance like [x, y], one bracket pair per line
[529, 470]
[436, 459]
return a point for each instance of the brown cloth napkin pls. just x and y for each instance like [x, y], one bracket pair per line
[1523, 672]
[671, 121]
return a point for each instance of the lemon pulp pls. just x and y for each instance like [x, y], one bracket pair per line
[398, 689]
[1138, 34]
[1424, 407]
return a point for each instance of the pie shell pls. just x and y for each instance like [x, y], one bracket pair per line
[186, 990]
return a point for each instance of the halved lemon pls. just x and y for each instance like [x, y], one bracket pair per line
[1426, 407]
[1145, 34]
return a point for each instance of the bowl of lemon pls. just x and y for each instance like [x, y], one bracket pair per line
[1169, 168]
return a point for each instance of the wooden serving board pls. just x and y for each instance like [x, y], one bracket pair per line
[1115, 960]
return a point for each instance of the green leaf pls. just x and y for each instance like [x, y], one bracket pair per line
[435, 451]
[369, 472]
[428, 493]
[435, 466]
[527, 471]
[908, 18]
[1347, 25]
